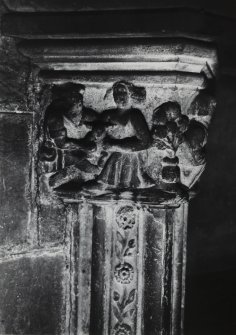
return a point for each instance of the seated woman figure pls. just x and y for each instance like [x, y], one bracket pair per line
[127, 136]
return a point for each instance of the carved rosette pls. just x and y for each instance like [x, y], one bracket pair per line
[124, 277]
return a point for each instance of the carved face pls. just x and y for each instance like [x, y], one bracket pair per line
[75, 112]
[121, 96]
[173, 114]
[99, 132]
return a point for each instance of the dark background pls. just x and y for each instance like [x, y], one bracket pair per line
[211, 268]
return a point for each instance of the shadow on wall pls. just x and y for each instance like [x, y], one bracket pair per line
[211, 269]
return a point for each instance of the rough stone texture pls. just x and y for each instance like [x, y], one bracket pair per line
[32, 295]
[39, 5]
[14, 72]
[122, 273]
[15, 171]
[152, 23]
[52, 224]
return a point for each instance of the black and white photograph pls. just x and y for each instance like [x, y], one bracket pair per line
[117, 167]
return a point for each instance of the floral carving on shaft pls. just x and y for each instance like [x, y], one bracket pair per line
[124, 273]
[122, 329]
[124, 293]
[126, 217]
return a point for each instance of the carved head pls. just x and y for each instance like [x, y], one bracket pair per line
[170, 174]
[196, 135]
[99, 131]
[169, 123]
[202, 108]
[169, 111]
[70, 96]
[121, 95]
[74, 112]
[124, 93]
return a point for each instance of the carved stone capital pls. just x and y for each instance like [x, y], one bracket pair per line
[125, 121]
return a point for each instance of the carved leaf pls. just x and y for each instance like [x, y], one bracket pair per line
[123, 303]
[119, 237]
[119, 305]
[132, 243]
[121, 240]
[125, 294]
[131, 297]
[117, 313]
[125, 315]
[132, 312]
[118, 250]
[116, 296]
[128, 252]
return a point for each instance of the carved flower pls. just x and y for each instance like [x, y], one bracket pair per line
[124, 273]
[122, 329]
[125, 217]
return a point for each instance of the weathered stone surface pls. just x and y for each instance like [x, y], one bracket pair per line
[32, 296]
[152, 23]
[15, 171]
[56, 6]
[52, 224]
[122, 267]
[147, 54]
[156, 230]
[14, 71]
[86, 125]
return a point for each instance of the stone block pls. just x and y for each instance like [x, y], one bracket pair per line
[52, 224]
[14, 73]
[15, 132]
[31, 295]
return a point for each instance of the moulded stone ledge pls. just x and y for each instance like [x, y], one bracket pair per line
[159, 79]
[146, 23]
[87, 5]
[142, 55]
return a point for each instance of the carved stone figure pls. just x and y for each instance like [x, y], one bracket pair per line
[191, 151]
[169, 126]
[127, 135]
[69, 136]
[96, 154]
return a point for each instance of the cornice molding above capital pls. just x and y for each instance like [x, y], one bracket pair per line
[143, 55]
